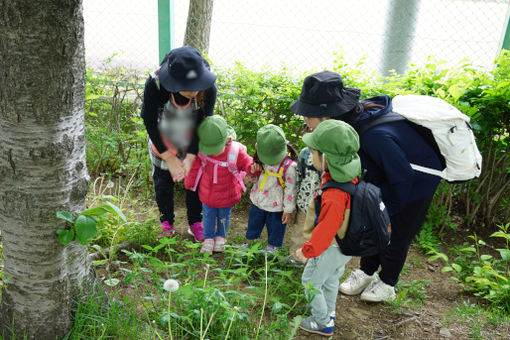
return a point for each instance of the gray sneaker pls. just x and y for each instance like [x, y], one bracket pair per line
[310, 325]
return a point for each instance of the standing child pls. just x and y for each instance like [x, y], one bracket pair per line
[218, 172]
[334, 145]
[273, 195]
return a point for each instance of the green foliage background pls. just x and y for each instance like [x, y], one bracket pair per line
[250, 99]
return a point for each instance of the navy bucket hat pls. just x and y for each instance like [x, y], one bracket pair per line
[324, 95]
[184, 69]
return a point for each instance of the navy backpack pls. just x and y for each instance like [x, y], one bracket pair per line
[369, 228]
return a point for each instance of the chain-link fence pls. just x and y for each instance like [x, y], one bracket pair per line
[305, 34]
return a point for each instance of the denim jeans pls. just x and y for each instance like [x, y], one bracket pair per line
[213, 216]
[273, 221]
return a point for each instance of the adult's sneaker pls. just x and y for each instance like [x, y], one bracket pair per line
[310, 325]
[356, 282]
[379, 291]
[197, 230]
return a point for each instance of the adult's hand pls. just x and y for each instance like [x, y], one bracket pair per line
[175, 166]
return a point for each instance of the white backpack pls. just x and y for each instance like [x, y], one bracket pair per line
[451, 131]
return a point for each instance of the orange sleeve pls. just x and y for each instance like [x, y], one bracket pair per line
[333, 205]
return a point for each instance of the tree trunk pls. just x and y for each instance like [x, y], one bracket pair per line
[42, 164]
[198, 26]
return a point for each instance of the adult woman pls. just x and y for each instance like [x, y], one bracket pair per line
[386, 153]
[177, 97]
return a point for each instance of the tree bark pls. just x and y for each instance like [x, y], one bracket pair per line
[42, 164]
[198, 26]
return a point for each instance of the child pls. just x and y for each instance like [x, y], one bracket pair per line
[334, 145]
[308, 182]
[218, 172]
[273, 195]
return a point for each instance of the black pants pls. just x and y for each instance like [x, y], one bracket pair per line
[404, 227]
[164, 189]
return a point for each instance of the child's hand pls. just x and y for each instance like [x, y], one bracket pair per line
[188, 162]
[249, 178]
[286, 218]
[254, 168]
[300, 257]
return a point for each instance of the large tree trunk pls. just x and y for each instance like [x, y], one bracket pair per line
[198, 26]
[42, 163]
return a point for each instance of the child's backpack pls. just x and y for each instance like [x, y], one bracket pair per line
[369, 227]
[279, 174]
[231, 164]
[303, 162]
[444, 127]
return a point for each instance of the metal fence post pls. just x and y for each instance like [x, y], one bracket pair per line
[398, 43]
[165, 27]
[505, 37]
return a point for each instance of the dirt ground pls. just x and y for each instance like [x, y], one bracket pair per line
[356, 320]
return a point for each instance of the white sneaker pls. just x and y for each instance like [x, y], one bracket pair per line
[356, 282]
[379, 291]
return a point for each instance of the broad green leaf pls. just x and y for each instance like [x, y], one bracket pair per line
[94, 212]
[115, 210]
[85, 228]
[66, 216]
[455, 91]
[65, 236]
[456, 267]
[485, 257]
[112, 282]
[505, 254]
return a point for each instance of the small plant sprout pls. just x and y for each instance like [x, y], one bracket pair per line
[170, 286]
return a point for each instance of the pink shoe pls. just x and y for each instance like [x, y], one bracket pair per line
[219, 244]
[207, 246]
[167, 230]
[197, 231]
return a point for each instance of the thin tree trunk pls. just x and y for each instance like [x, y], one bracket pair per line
[198, 26]
[42, 163]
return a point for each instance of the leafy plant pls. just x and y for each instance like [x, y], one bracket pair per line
[83, 227]
[486, 275]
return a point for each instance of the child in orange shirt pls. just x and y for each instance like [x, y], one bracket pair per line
[334, 145]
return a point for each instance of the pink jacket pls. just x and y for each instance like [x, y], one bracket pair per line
[227, 191]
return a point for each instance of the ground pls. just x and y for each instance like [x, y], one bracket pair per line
[446, 311]
[434, 306]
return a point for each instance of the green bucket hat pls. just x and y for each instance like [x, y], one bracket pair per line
[271, 144]
[340, 142]
[212, 134]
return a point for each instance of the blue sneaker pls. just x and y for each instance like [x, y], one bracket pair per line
[310, 325]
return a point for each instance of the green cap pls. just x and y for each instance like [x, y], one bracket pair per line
[340, 142]
[271, 144]
[212, 134]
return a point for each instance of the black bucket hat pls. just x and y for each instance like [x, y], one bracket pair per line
[184, 69]
[324, 95]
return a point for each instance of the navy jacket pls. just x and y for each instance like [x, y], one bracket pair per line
[386, 153]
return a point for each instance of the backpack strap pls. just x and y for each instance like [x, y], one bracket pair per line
[230, 164]
[366, 125]
[233, 153]
[279, 174]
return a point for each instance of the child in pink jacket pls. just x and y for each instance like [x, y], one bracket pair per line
[218, 173]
